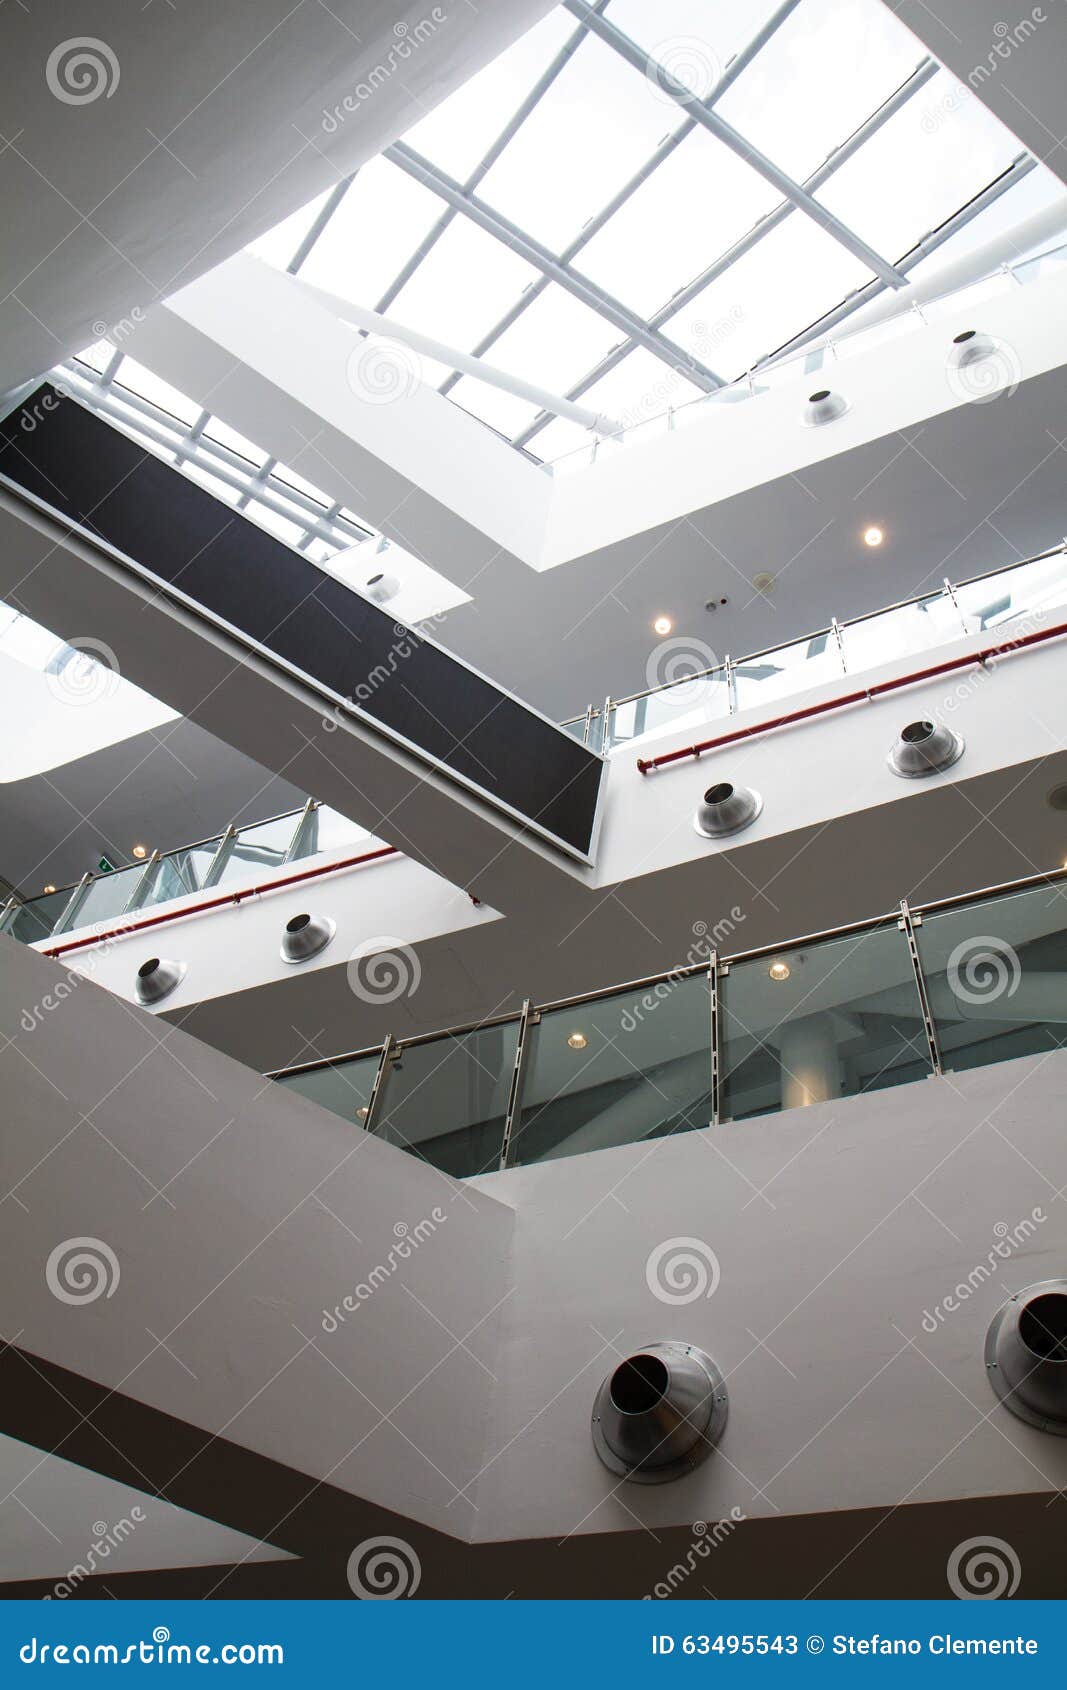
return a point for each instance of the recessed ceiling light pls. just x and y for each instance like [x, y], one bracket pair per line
[779, 971]
[49, 887]
[873, 536]
[577, 1041]
[361, 1114]
[662, 625]
[140, 850]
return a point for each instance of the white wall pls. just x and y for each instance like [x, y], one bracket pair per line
[59, 723]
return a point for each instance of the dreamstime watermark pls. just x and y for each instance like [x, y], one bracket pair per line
[682, 663]
[705, 940]
[82, 1270]
[379, 371]
[983, 969]
[1008, 1240]
[682, 1270]
[105, 1539]
[409, 1239]
[32, 416]
[76, 974]
[82, 69]
[706, 340]
[84, 672]
[121, 329]
[383, 969]
[1007, 38]
[683, 68]
[994, 375]
[383, 1569]
[705, 1538]
[405, 644]
[407, 39]
[983, 1569]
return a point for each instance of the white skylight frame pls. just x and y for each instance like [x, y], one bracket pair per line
[411, 175]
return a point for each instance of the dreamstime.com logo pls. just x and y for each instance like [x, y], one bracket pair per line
[682, 1270]
[82, 69]
[408, 1240]
[983, 969]
[705, 940]
[384, 1569]
[407, 38]
[84, 672]
[983, 1569]
[383, 969]
[82, 1270]
[1008, 1240]
[705, 1539]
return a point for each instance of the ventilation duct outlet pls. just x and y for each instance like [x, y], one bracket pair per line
[305, 936]
[726, 809]
[1026, 1355]
[923, 749]
[970, 347]
[157, 978]
[824, 407]
[660, 1413]
[381, 587]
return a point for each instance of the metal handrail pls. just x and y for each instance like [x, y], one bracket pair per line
[948, 589]
[725, 961]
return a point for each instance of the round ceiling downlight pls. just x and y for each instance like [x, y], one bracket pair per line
[156, 979]
[726, 809]
[659, 1413]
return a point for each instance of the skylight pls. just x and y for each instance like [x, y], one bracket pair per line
[566, 215]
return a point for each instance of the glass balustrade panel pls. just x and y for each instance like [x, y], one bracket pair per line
[828, 1020]
[791, 668]
[344, 1088]
[328, 830]
[257, 852]
[617, 1070]
[996, 976]
[180, 873]
[1004, 600]
[687, 704]
[33, 921]
[108, 896]
[902, 632]
[446, 1100]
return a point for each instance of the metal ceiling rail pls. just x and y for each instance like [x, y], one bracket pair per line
[862, 696]
[920, 76]
[589, 293]
[326, 211]
[666, 148]
[710, 120]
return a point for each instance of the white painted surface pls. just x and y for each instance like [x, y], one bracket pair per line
[58, 723]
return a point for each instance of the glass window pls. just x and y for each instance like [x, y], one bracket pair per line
[595, 127]
[901, 632]
[344, 1088]
[328, 830]
[792, 668]
[372, 234]
[822, 74]
[446, 1100]
[691, 210]
[1010, 593]
[555, 341]
[831, 1020]
[36, 920]
[928, 160]
[182, 872]
[108, 895]
[460, 290]
[996, 974]
[617, 1070]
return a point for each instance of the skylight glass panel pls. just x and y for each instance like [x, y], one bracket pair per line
[373, 232]
[465, 284]
[597, 124]
[98, 356]
[280, 526]
[693, 208]
[555, 341]
[215, 429]
[927, 161]
[279, 244]
[796, 274]
[824, 71]
[694, 40]
[459, 132]
[501, 411]
[1037, 191]
[638, 388]
[137, 379]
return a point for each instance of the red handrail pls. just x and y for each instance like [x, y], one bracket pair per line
[223, 898]
[821, 709]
